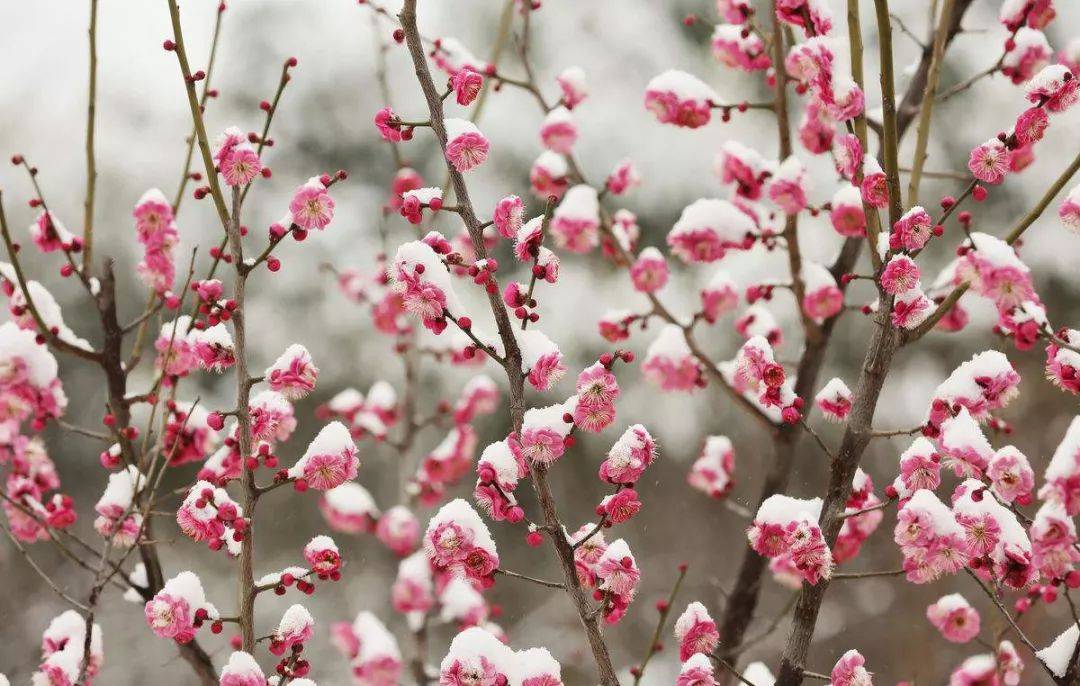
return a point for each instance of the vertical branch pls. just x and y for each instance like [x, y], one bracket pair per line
[196, 115]
[873, 221]
[922, 136]
[512, 358]
[202, 106]
[243, 420]
[883, 344]
[91, 165]
[791, 221]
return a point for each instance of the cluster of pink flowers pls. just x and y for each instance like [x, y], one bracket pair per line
[445, 464]
[296, 628]
[708, 229]
[237, 162]
[676, 97]
[955, 618]
[242, 670]
[371, 649]
[155, 228]
[180, 608]
[757, 374]
[713, 472]
[860, 520]
[209, 514]
[116, 518]
[30, 387]
[609, 569]
[669, 362]
[329, 461]
[476, 656]
[457, 539]
[696, 632]
[786, 530]
[63, 646]
[1050, 88]
[985, 383]
[739, 48]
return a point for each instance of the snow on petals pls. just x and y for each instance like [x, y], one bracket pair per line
[330, 459]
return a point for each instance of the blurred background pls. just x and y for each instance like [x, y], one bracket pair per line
[324, 123]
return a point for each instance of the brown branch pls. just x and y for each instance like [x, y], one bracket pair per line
[665, 611]
[883, 344]
[511, 353]
[196, 115]
[91, 165]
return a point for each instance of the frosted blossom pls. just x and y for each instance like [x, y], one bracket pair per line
[850, 670]
[559, 131]
[744, 168]
[1062, 474]
[293, 374]
[414, 588]
[116, 517]
[719, 296]
[669, 363]
[707, 229]
[649, 273]
[548, 175]
[786, 528]
[993, 530]
[1031, 53]
[698, 671]
[576, 220]
[398, 530]
[739, 49]
[1055, 87]
[632, 453]
[242, 670]
[1034, 13]
[214, 348]
[695, 631]
[424, 284]
[457, 539]
[373, 651]
[1069, 211]
[173, 612]
[541, 360]
[823, 297]
[1011, 477]
[466, 147]
[758, 321]
[789, 186]
[964, 446]
[930, 538]
[330, 459]
[834, 400]
[955, 618]
[676, 97]
[462, 604]
[66, 635]
[713, 472]
[544, 430]
[573, 85]
[296, 627]
[476, 657]
[619, 576]
[847, 215]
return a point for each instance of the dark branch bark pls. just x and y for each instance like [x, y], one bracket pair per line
[511, 359]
